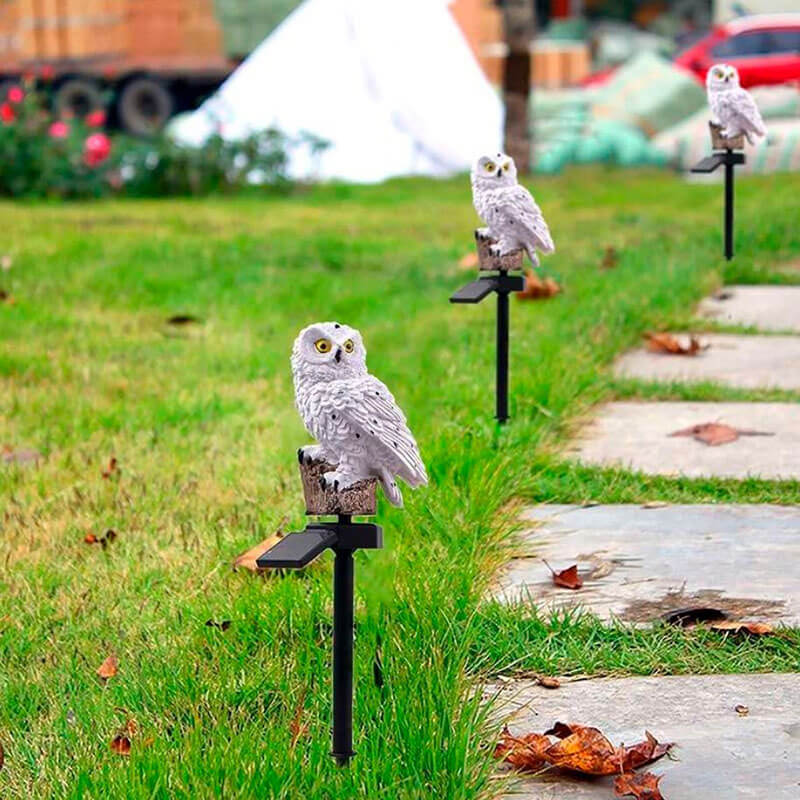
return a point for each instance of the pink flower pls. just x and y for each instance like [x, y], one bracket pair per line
[96, 149]
[15, 95]
[7, 114]
[48, 72]
[96, 119]
[59, 130]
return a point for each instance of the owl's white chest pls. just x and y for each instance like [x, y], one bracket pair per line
[484, 200]
[319, 405]
[722, 105]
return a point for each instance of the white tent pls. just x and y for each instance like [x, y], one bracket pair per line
[391, 84]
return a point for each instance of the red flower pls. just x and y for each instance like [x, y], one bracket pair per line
[48, 72]
[96, 149]
[59, 130]
[96, 119]
[15, 95]
[7, 114]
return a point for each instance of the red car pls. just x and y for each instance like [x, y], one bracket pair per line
[764, 48]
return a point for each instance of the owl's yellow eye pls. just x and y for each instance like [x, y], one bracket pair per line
[349, 346]
[718, 73]
[490, 167]
[506, 166]
[323, 345]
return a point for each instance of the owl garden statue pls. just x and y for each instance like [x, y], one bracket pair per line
[731, 106]
[352, 415]
[508, 209]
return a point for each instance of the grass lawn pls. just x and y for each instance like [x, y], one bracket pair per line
[201, 421]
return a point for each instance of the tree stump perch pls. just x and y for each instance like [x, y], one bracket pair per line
[491, 263]
[719, 142]
[357, 500]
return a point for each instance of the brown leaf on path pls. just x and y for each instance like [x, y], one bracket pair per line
[108, 669]
[669, 344]
[538, 289]
[469, 261]
[585, 750]
[645, 752]
[548, 682]
[716, 433]
[121, 745]
[643, 786]
[247, 560]
[525, 753]
[750, 628]
[741, 710]
[568, 578]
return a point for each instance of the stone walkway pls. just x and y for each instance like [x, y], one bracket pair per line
[748, 362]
[721, 755]
[640, 563]
[769, 308]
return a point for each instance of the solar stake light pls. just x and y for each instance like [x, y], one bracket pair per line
[727, 153]
[499, 281]
[344, 537]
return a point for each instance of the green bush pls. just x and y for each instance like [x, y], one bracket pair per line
[45, 156]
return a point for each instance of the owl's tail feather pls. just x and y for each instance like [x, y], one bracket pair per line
[390, 488]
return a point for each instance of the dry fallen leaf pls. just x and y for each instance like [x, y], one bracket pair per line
[108, 669]
[525, 753]
[121, 745]
[111, 469]
[716, 433]
[247, 560]
[549, 682]
[670, 345]
[585, 750]
[538, 289]
[751, 628]
[568, 578]
[642, 787]
[297, 727]
[6, 298]
[645, 752]
[741, 710]
[103, 540]
[610, 258]
[469, 261]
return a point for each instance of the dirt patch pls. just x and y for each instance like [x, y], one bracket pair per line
[732, 607]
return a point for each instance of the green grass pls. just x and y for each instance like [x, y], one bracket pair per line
[202, 423]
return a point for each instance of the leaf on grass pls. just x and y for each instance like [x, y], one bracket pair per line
[121, 745]
[108, 669]
[538, 289]
[103, 540]
[247, 560]
[2, 756]
[670, 345]
[298, 728]
[222, 626]
[6, 298]
[642, 787]
[716, 433]
[111, 469]
[568, 578]
[183, 319]
[469, 261]
[525, 753]
[750, 628]
[610, 258]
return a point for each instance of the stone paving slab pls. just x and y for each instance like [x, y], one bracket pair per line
[749, 362]
[637, 436]
[720, 754]
[640, 563]
[771, 308]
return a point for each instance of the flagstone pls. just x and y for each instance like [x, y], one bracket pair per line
[721, 753]
[637, 436]
[640, 563]
[770, 308]
[749, 362]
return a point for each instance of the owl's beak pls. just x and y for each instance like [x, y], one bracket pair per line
[338, 355]
[500, 172]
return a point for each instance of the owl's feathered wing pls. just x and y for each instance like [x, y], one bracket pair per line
[516, 209]
[738, 105]
[370, 410]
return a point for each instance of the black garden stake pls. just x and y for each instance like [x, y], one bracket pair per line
[727, 153]
[499, 281]
[344, 537]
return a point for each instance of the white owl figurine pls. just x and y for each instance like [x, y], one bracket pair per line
[508, 209]
[731, 106]
[350, 413]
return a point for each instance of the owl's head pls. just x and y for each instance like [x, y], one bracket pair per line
[328, 351]
[493, 171]
[722, 77]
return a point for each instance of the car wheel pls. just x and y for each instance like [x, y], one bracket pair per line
[78, 97]
[144, 107]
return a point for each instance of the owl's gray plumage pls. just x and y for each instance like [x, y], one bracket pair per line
[508, 209]
[350, 413]
[732, 106]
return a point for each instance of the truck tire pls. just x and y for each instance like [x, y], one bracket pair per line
[144, 106]
[79, 97]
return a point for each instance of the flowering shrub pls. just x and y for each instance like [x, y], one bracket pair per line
[44, 156]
